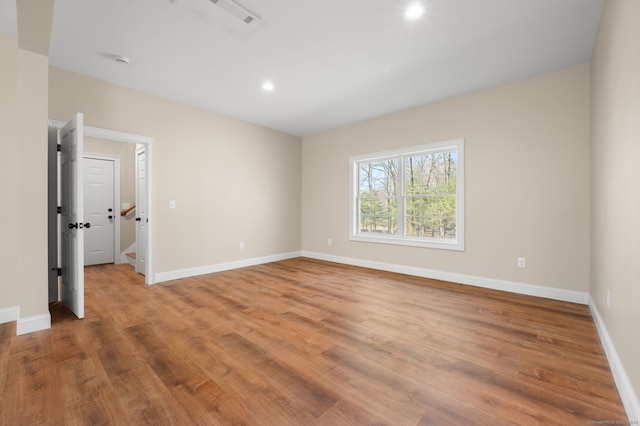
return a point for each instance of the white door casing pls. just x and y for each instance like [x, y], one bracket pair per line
[72, 218]
[142, 217]
[101, 198]
[149, 144]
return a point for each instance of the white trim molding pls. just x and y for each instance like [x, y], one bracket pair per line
[620, 377]
[115, 135]
[401, 157]
[219, 267]
[97, 132]
[490, 283]
[32, 324]
[9, 314]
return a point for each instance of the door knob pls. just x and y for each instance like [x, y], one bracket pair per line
[79, 225]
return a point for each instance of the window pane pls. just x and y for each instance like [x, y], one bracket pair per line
[449, 228]
[420, 227]
[422, 174]
[419, 188]
[379, 215]
[449, 171]
[430, 227]
[430, 217]
[447, 206]
[433, 173]
[378, 178]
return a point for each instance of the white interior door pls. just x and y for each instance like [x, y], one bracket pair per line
[142, 217]
[99, 206]
[72, 218]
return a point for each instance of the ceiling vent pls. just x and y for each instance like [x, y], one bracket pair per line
[235, 10]
[226, 14]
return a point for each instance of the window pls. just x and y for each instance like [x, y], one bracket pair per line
[412, 196]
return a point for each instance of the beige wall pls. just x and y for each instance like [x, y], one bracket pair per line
[126, 152]
[526, 178]
[23, 168]
[34, 298]
[232, 181]
[10, 172]
[615, 179]
[23, 108]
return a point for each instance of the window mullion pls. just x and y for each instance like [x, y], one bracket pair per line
[371, 217]
[401, 197]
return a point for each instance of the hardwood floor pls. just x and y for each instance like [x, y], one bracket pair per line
[305, 342]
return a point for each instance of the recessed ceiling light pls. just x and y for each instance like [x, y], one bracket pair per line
[414, 11]
[268, 86]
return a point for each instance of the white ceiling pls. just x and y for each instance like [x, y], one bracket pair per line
[333, 62]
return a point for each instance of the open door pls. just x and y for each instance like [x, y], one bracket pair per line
[52, 213]
[142, 215]
[72, 215]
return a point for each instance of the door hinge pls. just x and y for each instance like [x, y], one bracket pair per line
[59, 148]
[59, 209]
[58, 271]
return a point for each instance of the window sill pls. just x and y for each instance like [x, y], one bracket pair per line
[426, 243]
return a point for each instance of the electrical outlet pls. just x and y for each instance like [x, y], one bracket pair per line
[242, 245]
[522, 262]
[329, 242]
[172, 204]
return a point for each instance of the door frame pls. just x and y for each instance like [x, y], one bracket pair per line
[116, 198]
[139, 266]
[149, 143]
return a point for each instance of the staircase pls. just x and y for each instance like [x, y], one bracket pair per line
[131, 259]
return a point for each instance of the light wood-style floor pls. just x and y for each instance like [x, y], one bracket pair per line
[305, 342]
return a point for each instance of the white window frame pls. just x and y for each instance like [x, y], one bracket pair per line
[401, 238]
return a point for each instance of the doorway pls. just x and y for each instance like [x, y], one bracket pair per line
[148, 241]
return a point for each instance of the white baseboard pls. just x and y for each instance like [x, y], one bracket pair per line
[32, 324]
[490, 283]
[625, 389]
[9, 314]
[219, 267]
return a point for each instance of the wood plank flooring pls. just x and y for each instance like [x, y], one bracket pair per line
[305, 342]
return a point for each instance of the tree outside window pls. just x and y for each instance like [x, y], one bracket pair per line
[412, 196]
